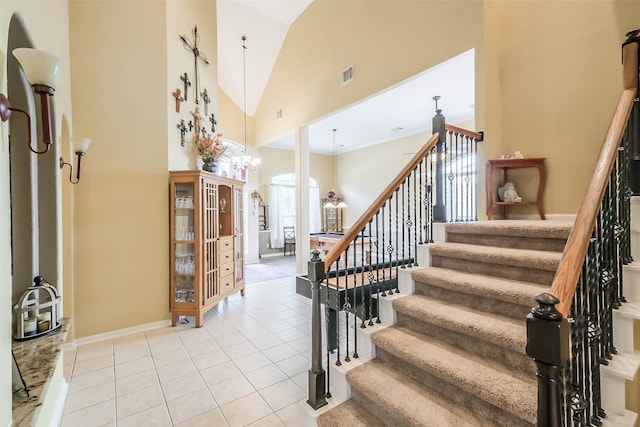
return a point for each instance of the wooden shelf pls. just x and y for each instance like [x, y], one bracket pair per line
[505, 165]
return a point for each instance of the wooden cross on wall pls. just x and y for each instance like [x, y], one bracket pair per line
[197, 55]
[177, 95]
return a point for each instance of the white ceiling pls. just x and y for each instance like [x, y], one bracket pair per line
[402, 110]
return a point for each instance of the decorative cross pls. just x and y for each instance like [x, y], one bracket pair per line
[193, 47]
[187, 83]
[203, 131]
[190, 125]
[183, 131]
[206, 100]
[213, 121]
[178, 98]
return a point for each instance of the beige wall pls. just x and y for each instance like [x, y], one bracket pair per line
[385, 41]
[553, 80]
[120, 219]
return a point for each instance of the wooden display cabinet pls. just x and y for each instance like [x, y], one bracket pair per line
[207, 252]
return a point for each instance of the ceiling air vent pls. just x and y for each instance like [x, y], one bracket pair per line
[347, 75]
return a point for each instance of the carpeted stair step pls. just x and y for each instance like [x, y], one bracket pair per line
[535, 235]
[491, 294]
[395, 399]
[491, 392]
[514, 264]
[349, 413]
[494, 337]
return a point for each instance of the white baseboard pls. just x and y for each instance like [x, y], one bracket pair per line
[117, 333]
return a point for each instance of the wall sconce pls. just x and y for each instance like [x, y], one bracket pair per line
[81, 146]
[42, 69]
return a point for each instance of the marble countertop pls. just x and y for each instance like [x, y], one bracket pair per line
[37, 359]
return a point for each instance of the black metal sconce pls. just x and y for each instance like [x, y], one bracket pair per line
[81, 146]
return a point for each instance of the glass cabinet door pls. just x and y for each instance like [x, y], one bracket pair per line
[184, 270]
[239, 234]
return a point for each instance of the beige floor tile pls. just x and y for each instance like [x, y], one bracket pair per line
[282, 394]
[177, 387]
[138, 401]
[297, 415]
[291, 334]
[190, 405]
[280, 352]
[89, 397]
[301, 344]
[266, 341]
[302, 381]
[277, 325]
[192, 335]
[271, 420]
[245, 410]
[211, 418]
[135, 382]
[251, 362]
[200, 347]
[168, 354]
[231, 390]
[240, 350]
[219, 373]
[206, 360]
[94, 349]
[88, 365]
[97, 415]
[295, 365]
[157, 416]
[91, 379]
[265, 376]
[135, 366]
[230, 339]
[175, 370]
[125, 354]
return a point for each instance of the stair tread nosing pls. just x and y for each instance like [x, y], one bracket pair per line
[499, 330]
[527, 258]
[497, 386]
[403, 399]
[514, 291]
[349, 413]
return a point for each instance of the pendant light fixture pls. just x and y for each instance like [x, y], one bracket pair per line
[333, 198]
[246, 161]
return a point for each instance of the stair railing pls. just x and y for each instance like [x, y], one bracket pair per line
[438, 184]
[569, 342]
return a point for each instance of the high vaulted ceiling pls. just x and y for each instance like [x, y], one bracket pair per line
[402, 110]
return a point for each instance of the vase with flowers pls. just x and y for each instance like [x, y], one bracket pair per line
[210, 149]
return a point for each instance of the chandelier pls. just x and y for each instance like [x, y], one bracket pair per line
[246, 161]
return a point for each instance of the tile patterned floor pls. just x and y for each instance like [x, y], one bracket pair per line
[247, 366]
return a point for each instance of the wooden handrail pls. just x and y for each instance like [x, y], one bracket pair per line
[471, 134]
[566, 278]
[364, 219]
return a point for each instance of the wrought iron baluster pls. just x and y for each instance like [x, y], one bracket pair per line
[415, 219]
[419, 226]
[371, 278]
[403, 221]
[337, 277]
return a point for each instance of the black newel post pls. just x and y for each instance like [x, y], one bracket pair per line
[317, 397]
[548, 346]
[439, 209]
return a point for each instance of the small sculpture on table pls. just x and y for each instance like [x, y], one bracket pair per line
[509, 193]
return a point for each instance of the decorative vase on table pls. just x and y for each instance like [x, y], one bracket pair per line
[210, 165]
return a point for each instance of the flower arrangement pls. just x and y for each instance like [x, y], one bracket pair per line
[210, 149]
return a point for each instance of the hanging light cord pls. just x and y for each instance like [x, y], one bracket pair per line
[244, 88]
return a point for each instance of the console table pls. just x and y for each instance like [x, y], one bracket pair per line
[505, 165]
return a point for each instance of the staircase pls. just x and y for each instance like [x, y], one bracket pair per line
[455, 355]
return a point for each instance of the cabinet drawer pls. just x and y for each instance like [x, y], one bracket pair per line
[226, 244]
[225, 257]
[226, 284]
[226, 269]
